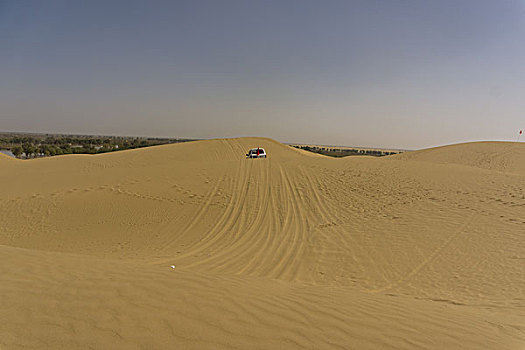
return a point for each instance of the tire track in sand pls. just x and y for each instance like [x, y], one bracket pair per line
[331, 230]
[231, 215]
[433, 256]
[267, 236]
[293, 242]
[208, 198]
[243, 245]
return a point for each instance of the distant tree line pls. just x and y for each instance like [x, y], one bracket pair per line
[343, 152]
[45, 145]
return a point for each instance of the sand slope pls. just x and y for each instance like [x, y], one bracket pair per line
[419, 250]
[500, 156]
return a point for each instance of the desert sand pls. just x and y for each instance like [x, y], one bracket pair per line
[192, 246]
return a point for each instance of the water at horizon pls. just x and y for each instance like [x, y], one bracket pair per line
[7, 153]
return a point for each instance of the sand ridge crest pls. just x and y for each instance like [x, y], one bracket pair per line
[499, 156]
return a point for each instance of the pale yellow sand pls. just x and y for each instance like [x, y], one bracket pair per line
[420, 250]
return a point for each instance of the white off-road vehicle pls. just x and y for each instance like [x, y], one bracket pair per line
[256, 153]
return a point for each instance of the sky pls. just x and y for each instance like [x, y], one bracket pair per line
[403, 74]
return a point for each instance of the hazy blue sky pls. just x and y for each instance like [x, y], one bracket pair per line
[405, 74]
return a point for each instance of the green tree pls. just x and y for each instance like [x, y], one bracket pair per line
[29, 149]
[17, 151]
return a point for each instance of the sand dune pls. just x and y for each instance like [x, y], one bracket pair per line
[499, 156]
[419, 250]
[4, 157]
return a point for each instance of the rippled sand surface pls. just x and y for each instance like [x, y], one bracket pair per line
[192, 246]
